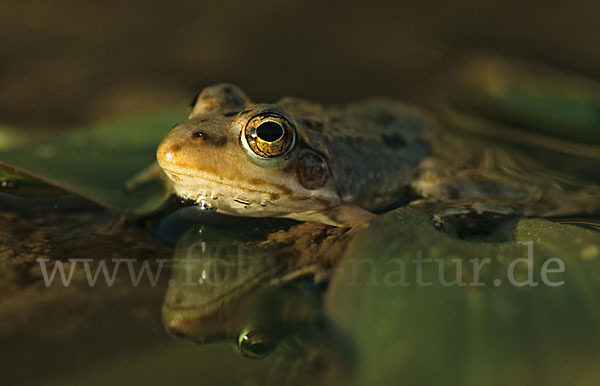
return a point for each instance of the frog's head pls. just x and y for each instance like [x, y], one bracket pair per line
[246, 159]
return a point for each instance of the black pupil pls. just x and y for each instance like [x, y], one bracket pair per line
[269, 131]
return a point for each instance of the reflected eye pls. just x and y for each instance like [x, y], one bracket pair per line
[254, 344]
[269, 135]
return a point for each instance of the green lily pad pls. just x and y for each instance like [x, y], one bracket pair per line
[96, 162]
[412, 327]
[530, 96]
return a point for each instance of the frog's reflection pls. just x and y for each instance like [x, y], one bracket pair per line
[227, 287]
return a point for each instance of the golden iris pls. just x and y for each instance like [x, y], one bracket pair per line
[269, 135]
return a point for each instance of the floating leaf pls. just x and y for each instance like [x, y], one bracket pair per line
[97, 162]
[410, 326]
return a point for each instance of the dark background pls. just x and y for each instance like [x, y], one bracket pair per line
[65, 63]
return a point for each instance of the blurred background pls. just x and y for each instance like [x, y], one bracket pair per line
[64, 63]
[68, 63]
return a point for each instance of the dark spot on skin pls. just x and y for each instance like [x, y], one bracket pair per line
[227, 90]
[175, 148]
[231, 99]
[284, 189]
[453, 193]
[256, 181]
[312, 124]
[384, 119]
[219, 141]
[311, 171]
[274, 196]
[393, 141]
[231, 114]
[288, 168]
[324, 203]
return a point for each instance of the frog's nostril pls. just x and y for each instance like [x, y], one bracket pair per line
[199, 135]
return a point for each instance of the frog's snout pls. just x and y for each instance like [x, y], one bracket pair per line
[169, 151]
[165, 151]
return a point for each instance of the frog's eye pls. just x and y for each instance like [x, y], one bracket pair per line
[269, 135]
[253, 344]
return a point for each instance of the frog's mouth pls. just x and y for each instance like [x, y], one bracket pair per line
[229, 197]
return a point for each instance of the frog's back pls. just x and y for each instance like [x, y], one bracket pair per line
[373, 148]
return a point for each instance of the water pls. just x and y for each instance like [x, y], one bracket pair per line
[218, 307]
[90, 318]
[196, 296]
[243, 314]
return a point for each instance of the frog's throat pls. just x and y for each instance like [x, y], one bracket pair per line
[327, 212]
[242, 199]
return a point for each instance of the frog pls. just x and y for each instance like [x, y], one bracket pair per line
[335, 168]
[341, 165]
